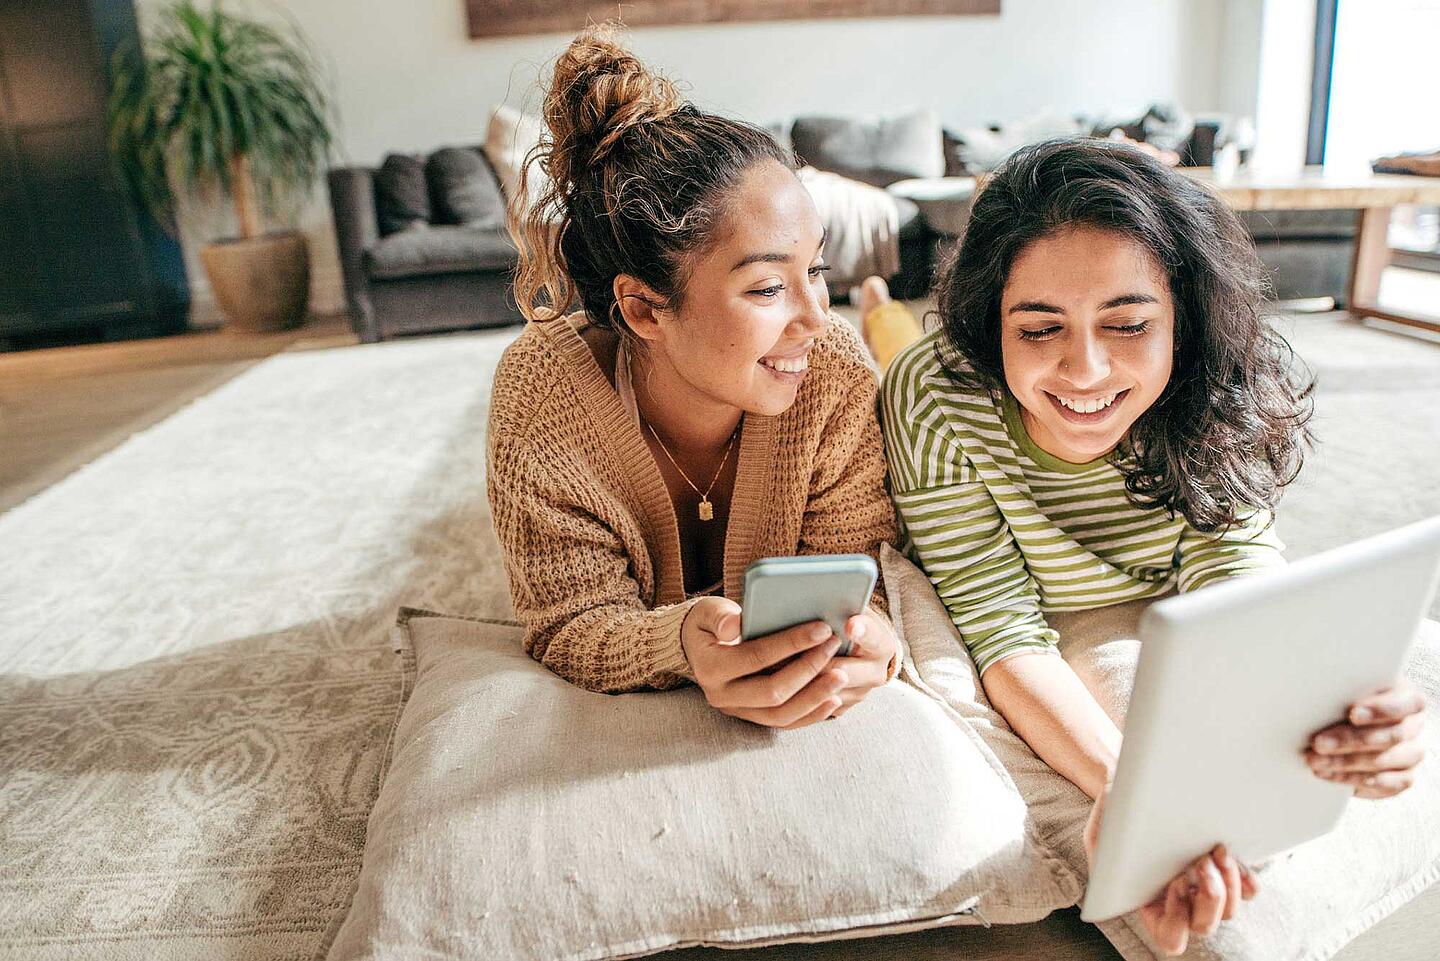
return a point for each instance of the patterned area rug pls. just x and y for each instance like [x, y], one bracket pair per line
[197, 675]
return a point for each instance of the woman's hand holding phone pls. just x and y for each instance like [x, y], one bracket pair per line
[1195, 901]
[872, 645]
[805, 687]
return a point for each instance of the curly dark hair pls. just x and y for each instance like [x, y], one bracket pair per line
[1229, 432]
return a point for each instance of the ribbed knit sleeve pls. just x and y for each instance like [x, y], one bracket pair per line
[571, 585]
[848, 510]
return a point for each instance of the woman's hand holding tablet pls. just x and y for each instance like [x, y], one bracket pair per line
[1195, 901]
[1376, 748]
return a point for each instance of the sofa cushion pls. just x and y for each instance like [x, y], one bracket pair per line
[425, 250]
[1314, 898]
[525, 818]
[402, 196]
[1267, 225]
[463, 188]
[876, 151]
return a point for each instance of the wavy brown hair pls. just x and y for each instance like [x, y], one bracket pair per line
[637, 182]
[1229, 432]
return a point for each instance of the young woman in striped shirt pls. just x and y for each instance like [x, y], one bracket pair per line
[1104, 416]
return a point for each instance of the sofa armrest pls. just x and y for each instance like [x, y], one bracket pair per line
[352, 204]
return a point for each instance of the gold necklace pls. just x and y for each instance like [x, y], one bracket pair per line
[707, 509]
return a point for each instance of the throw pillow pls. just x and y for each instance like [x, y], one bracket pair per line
[463, 188]
[523, 817]
[402, 197]
[1314, 898]
[876, 151]
[977, 150]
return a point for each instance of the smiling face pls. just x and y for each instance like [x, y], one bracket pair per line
[755, 300]
[1087, 333]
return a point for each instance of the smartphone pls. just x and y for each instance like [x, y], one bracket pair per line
[782, 592]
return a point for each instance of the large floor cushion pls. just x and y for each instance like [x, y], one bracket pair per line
[1315, 898]
[525, 818]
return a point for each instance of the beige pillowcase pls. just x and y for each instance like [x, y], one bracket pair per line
[523, 817]
[1315, 898]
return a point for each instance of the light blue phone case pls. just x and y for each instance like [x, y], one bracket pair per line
[782, 592]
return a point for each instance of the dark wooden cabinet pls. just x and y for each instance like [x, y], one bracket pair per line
[79, 259]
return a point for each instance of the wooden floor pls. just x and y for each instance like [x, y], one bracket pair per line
[62, 407]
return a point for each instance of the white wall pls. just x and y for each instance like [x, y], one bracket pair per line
[405, 76]
[1287, 65]
[1238, 84]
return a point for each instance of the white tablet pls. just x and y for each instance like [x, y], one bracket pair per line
[1232, 681]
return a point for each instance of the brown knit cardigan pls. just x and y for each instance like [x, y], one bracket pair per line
[588, 530]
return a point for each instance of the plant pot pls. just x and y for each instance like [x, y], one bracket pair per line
[260, 284]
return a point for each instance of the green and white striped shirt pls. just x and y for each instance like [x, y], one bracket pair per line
[1006, 531]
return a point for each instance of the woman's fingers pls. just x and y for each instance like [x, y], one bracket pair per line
[1167, 918]
[1375, 786]
[1402, 757]
[763, 691]
[825, 687]
[864, 672]
[819, 714]
[855, 629]
[1346, 738]
[752, 657]
[1208, 901]
[1389, 705]
[1249, 883]
[1207, 892]
[1229, 873]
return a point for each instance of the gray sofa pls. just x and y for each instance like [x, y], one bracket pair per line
[423, 245]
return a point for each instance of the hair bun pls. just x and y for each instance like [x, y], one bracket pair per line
[600, 91]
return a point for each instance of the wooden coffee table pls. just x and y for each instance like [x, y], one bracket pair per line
[1373, 196]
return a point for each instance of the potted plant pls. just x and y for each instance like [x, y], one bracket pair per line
[222, 101]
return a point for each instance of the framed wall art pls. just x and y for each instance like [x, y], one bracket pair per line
[504, 18]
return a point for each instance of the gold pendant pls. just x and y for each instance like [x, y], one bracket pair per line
[707, 510]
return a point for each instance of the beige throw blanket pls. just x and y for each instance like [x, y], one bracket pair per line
[863, 224]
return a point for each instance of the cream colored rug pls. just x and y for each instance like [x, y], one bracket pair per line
[197, 682]
[197, 685]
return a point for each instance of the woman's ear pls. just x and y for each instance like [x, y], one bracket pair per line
[640, 306]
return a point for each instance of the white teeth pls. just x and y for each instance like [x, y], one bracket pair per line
[1087, 406]
[791, 366]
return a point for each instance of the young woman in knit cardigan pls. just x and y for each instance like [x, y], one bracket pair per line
[700, 410]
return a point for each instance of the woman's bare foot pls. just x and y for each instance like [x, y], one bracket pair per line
[873, 292]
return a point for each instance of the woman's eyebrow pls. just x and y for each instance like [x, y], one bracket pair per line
[775, 258]
[1040, 307]
[1126, 300]
[1034, 307]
